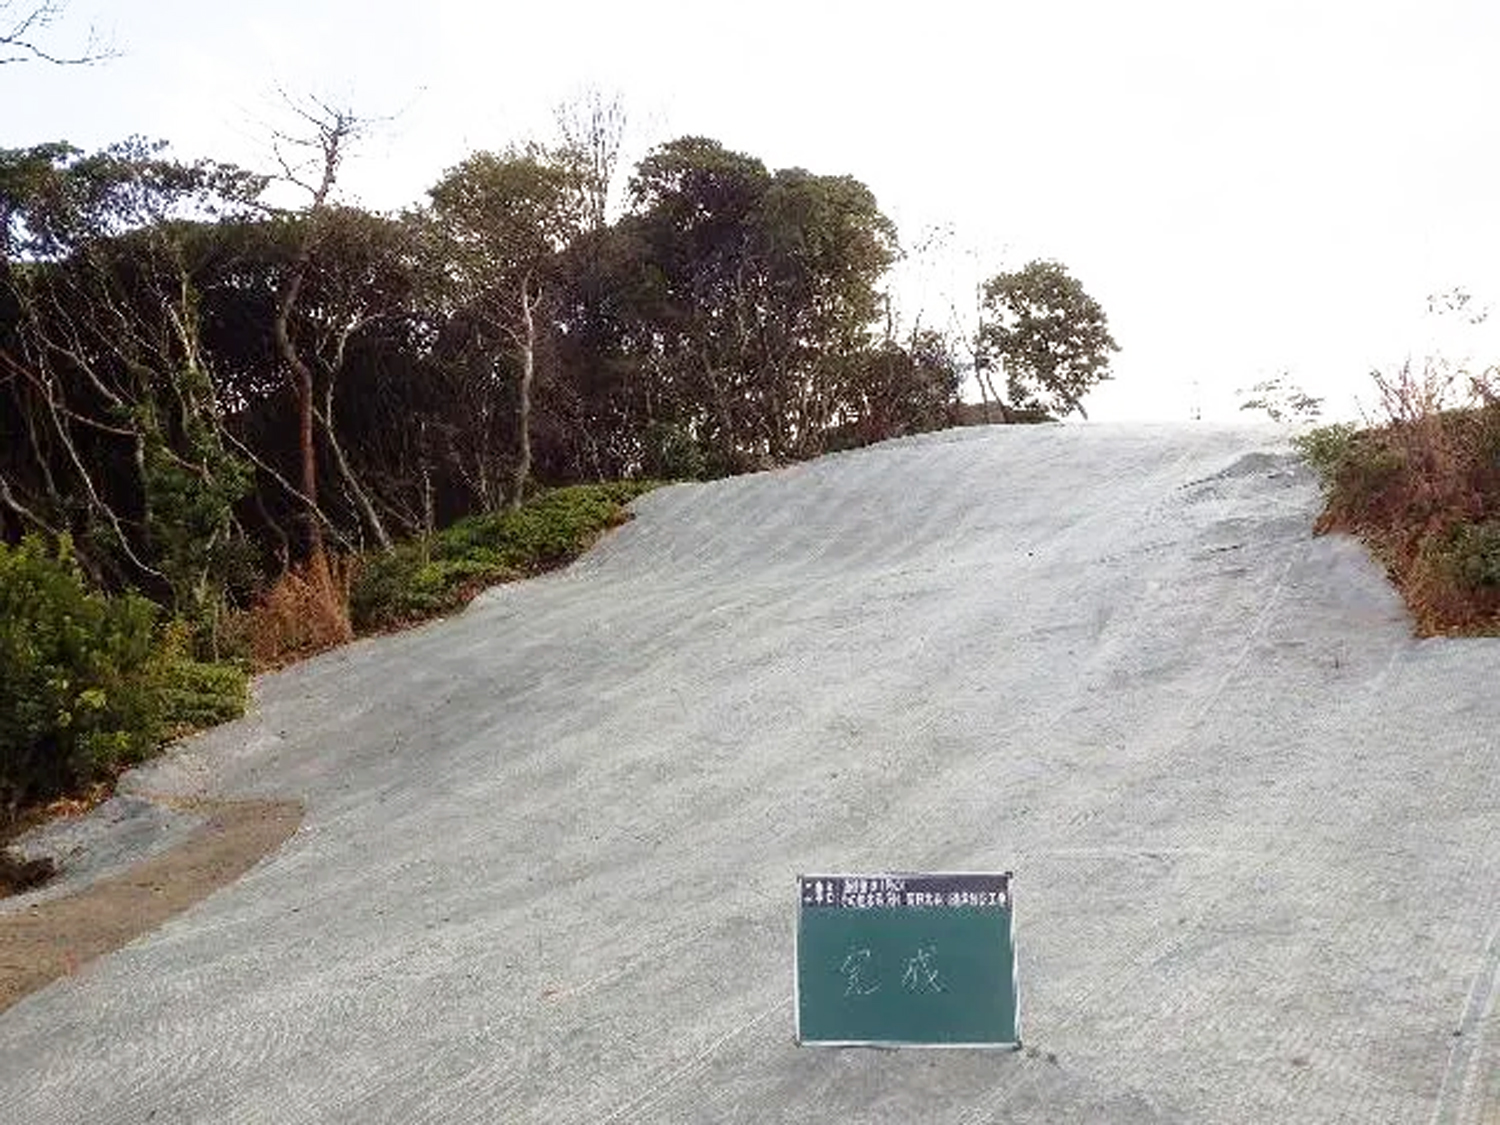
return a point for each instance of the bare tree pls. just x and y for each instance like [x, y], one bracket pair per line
[592, 129]
[311, 162]
[21, 30]
[982, 363]
[332, 353]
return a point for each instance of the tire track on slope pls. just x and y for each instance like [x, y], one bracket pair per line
[967, 778]
[661, 1087]
[1467, 1095]
[1197, 708]
[1158, 945]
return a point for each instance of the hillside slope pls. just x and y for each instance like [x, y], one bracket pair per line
[547, 864]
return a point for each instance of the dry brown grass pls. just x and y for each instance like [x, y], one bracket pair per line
[1421, 487]
[304, 613]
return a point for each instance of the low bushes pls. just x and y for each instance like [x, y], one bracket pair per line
[410, 585]
[88, 683]
[1423, 492]
[424, 579]
[196, 694]
[1471, 554]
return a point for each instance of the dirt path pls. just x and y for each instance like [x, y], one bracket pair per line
[58, 937]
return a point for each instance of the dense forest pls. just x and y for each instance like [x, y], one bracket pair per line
[201, 389]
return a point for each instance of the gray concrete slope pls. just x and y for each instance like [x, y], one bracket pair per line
[547, 868]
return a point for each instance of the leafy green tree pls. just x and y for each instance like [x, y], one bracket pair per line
[760, 289]
[361, 292]
[1049, 336]
[497, 225]
[693, 203]
[56, 200]
[359, 328]
[901, 388]
[823, 247]
[611, 395]
[104, 376]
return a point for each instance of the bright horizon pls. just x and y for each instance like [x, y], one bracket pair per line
[1276, 187]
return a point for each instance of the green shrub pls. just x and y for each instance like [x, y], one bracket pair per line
[79, 677]
[197, 694]
[1368, 471]
[89, 684]
[671, 452]
[1362, 471]
[1470, 554]
[417, 581]
[547, 531]
[1326, 449]
[390, 589]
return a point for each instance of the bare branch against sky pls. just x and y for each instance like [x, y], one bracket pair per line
[23, 36]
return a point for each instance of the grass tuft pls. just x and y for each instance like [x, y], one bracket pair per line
[305, 612]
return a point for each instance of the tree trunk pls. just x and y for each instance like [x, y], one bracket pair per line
[1005, 414]
[429, 508]
[984, 398]
[330, 604]
[331, 137]
[728, 436]
[302, 387]
[523, 408]
[361, 498]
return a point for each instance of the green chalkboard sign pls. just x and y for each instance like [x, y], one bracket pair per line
[906, 960]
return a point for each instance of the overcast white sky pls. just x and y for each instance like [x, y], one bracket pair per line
[1246, 188]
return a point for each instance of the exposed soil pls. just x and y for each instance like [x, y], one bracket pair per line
[57, 937]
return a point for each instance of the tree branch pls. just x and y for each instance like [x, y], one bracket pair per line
[20, 39]
[9, 499]
[292, 489]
